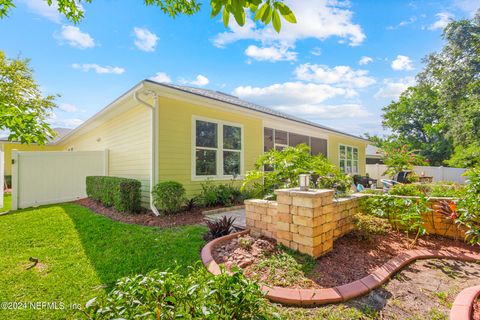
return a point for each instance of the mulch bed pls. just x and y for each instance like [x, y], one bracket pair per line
[146, 217]
[476, 310]
[352, 258]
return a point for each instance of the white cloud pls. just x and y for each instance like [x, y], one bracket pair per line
[402, 63]
[403, 23]
[98, 69]
[76, 38]
[67, 107]
[271, 53]
[339, 75]
[364, 60]
[162, 77]
[64, 122]
[200, 81]
[145, 40]
[322, 112]
[316, 51]
[393, 88]
[468, 6]
[317, 19]
[443, 18]
[292, 93]
[41, 8]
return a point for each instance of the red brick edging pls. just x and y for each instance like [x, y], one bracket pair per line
[462, 308]
[308, 297]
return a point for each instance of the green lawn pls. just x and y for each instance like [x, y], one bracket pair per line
[81, 255]
[7, 202]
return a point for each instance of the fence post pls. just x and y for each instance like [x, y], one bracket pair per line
[442, 173]
[105, 163]
[14, 179]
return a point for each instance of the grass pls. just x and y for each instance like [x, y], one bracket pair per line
[7, 203]
[81, 255]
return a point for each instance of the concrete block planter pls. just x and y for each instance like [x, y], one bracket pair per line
[310, 297]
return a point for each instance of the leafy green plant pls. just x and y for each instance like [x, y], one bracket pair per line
[469, 206]
[169, 196]
[403, 213]
[400, 159]
[219, 228]
[121, 193]
[367, 225]
[408, 190]
[169, 295]
[287, 165]
[213, 194]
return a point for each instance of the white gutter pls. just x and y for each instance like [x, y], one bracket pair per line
[154, 134]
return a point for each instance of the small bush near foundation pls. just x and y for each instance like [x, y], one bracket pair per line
[168, 295]
[368, 225]
[121, 193]
[169, 196]
[221, 194]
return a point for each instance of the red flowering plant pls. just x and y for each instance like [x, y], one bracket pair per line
[399, 159]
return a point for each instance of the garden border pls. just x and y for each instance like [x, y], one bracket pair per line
[462, 308]
[310, 297]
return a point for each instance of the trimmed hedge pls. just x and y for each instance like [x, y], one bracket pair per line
[121, 193]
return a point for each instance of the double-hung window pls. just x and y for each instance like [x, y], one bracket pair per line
[218, 149]
[348, 158]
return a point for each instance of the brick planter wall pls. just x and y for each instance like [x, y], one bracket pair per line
[307, 221]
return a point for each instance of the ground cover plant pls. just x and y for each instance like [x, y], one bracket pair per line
[81, 254]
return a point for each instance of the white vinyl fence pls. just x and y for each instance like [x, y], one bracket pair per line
[55, 176]
[376, 171]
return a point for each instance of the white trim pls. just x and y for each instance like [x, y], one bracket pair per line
[346, 158]
[219, 150]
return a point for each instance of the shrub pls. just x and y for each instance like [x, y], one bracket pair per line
[168, 295]
[407, 190]
[367, 225]
[121, 193]
[219, 228]
[469, 206]
[400, 159]
[169, 196]
[287, 165]
[221, 194]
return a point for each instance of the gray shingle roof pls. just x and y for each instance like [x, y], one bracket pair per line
[224, 97]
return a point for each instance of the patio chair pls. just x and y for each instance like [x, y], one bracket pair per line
[400, 178]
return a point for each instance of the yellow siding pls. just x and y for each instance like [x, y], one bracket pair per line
[175, 139]
[9, 146]
[127, 137]
[334, 141]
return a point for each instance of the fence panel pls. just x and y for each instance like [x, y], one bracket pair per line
[51, 177]
[438, 173]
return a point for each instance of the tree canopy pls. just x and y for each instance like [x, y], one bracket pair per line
[23, 110]
[440, 115]
[266, 11]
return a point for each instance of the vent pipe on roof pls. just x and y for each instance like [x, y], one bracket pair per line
[154, 134]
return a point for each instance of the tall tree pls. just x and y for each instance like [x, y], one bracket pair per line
[266, 11]
[23, 109]
[417, 121]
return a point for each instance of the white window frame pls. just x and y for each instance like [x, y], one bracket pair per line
[219, 150]
[346, 158]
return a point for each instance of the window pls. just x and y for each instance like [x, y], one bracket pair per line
[348, 158]
[218, 149]
[278, 139]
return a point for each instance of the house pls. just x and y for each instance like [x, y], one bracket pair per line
[157, 131]
[373, 155]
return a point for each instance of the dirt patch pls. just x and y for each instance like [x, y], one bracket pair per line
[352, 258]
[424, 290]
[476, 310]
[146, 217]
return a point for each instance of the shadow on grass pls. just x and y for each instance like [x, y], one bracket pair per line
[117, 249]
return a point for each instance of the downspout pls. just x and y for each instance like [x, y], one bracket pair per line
[154, 133]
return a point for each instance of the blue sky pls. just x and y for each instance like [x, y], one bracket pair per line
[339, 65]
